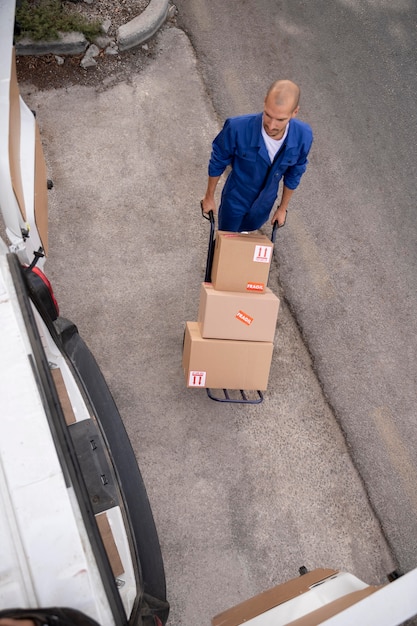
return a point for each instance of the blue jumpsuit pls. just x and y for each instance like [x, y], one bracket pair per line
[252, 185]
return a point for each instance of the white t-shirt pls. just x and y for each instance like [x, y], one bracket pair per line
[273, 145]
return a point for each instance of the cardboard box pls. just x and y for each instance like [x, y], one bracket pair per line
[241, 262]
[233, 315]
[263, 602]
[225, 363]
[302, 601]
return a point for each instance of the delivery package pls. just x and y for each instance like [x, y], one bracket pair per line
[241, 262]
[234, 315]
[225, 363]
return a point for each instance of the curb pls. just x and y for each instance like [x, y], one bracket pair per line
[68, 43]
[130, 35]
[142, 27]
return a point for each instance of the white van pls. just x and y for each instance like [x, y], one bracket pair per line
[76, 527]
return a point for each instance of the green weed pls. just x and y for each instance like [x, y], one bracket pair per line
[44, 19]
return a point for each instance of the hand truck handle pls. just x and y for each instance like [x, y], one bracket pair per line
[207, 216]
[210, 217]
[274, 231]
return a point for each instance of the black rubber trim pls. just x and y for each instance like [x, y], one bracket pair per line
[125, 464]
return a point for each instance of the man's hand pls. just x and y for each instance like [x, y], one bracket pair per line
[208, 204]
[279, 216]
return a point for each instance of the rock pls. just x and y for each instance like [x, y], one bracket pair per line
[112, 48]
[105, 27]
[102, 41]
[172, 11]
[92, 51]
[88, 59]
[87, 62]
[59, 60]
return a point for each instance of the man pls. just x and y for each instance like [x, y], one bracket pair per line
[261, 150]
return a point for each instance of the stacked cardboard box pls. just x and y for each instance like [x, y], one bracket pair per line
[230, 346]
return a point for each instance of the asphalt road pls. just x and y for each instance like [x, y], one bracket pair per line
[242, 496]
[347, 256]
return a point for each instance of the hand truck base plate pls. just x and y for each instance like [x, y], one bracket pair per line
[235, 396]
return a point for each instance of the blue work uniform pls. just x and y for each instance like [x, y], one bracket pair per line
[252, 185]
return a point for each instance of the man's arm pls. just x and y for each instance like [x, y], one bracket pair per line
[221, 157]
[293, 175]
[280, 214]
[208, 203]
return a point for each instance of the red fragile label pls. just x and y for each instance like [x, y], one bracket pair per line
[262, 254]
[197, 379]
[244, 317]
[255, 286]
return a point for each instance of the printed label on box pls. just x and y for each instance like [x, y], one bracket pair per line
[262, 254]
[244, 317]
[197, 379]
[255, 287]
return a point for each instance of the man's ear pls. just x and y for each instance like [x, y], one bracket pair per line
[295, 112]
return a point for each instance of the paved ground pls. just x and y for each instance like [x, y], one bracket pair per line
[347, 255]
[242, 496]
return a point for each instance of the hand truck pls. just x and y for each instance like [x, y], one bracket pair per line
[240, 396]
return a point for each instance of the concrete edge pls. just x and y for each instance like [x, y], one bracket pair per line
[135, 32]
[68, 43]
[142, 27]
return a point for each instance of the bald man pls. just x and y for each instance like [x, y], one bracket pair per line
[261, 149]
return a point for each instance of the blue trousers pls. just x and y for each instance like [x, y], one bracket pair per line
[236, 222]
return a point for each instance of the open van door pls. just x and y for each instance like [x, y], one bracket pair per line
[23, 180]
[76, 525]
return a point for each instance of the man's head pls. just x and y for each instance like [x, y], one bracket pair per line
[281, 104]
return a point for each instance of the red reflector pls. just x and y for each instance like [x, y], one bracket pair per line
[157, 621]
[48, 285]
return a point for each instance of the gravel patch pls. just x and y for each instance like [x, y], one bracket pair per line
[112, 66]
